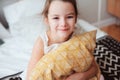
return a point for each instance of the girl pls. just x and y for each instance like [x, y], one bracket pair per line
[61, 17]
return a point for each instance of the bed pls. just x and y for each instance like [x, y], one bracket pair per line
[24, 27]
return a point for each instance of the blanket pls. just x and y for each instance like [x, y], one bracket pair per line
[107, 55]
[74, 55]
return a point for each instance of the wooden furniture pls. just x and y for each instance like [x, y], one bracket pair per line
[114, 7]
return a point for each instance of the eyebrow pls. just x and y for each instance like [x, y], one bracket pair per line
[71, 13]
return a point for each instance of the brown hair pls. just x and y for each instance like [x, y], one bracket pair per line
[48, 2]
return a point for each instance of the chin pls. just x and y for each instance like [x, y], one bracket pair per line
[64, 36]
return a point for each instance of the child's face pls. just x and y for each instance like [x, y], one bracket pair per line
[61, 18]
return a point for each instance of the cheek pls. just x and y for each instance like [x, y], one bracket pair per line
[52, 25]
[72, 24]
[52, 22]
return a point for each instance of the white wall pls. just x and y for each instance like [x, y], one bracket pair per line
[95, 12]
[106, 18]
[88, 9]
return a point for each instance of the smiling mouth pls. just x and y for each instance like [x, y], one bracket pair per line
[63, 29]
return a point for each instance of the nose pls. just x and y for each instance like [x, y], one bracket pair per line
[63, 22]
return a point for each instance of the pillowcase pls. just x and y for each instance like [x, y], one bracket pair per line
[24, 22]
[74, 55]
[14, 11]
[29, 28]
[33, 7]
[23, 8]
[88, 27]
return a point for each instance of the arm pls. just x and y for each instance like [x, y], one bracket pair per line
[92, 71]
[37, 53]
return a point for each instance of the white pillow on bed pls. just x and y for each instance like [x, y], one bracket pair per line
[29, 27]
[23, 18]
[88, 27]
[14, 12]
[23, 8]
[33, 7]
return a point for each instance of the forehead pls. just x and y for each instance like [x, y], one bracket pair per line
[61, 7]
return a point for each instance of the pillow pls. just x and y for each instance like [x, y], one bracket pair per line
[24, 22]
[35, 5]
[29, 28]
[74, 55]
[88, 27]
[14, 11]
[21, 9]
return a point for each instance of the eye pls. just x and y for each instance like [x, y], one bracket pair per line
[55, 18]
[70, 17]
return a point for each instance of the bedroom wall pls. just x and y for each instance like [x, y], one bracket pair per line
[88, 9]
[95, 12]
[105, 17]
[104, 13]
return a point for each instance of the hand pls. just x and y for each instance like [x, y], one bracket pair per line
[76, 76]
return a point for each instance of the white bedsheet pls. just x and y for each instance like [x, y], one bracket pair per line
[14, 56]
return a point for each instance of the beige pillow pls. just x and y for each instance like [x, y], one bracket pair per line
[74, 55]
